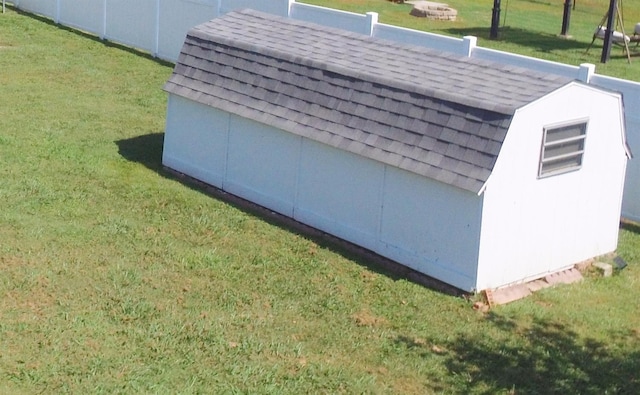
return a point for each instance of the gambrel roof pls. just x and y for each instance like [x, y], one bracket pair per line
[436, 114]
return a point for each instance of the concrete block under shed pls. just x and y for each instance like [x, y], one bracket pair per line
[604, 268]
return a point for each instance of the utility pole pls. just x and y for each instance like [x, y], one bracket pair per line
[608, 36]
[495, 20]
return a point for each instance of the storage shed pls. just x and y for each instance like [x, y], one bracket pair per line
[475, 173]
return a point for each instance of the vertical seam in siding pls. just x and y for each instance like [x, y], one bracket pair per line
[383, 186]
[226, 153]
[296, 182]
[478, 248]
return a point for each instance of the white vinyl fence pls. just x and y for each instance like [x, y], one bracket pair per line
[159, 27]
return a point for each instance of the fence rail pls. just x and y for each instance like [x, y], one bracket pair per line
[159, 27]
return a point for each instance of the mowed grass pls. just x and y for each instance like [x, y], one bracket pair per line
[527, 27]
[116, 277]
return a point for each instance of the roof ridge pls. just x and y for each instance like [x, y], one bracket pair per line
[334, 67]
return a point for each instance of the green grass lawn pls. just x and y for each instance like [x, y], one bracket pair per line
[528, 27]
[116, 277]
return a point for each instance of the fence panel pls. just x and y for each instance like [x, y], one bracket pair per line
[132, 23]
[276, 7]
[89, 17]
[527, 62]
[176, 18]
[631, 93]
[423, 39]
[41, 7]
[357, 23]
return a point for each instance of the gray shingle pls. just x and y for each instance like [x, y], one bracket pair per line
[435, 114]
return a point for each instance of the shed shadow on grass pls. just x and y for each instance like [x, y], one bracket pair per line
[546, 358]
[630, 226]
[147, 150]
[536, 40]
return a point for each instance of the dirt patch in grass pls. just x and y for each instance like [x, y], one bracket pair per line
[366, 318]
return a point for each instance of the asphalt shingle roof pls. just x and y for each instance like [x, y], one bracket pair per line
[435, 114]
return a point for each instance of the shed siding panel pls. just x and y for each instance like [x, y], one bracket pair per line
[340, 192]
[535, 226]
[195, 140]
[431, 226]
[262, 164]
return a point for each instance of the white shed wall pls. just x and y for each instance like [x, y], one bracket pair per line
[534, 226]
[262, 164]
[340, 193]
[196, 140]
[431, 227]
[426, 225]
